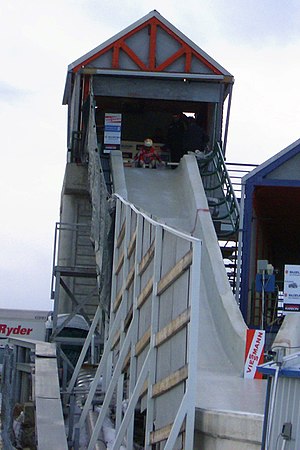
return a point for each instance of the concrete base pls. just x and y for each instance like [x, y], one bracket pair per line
[229, 412]
[224, 430]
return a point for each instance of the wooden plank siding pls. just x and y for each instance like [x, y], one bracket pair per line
[150, 341]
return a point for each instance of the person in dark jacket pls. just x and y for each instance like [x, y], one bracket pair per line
[195, 137]
[175, 136]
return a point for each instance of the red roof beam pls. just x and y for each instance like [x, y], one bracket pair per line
[152, 46]
[188, 61]
[153, 24]
[170, 60]
[92, 58]
[115, 57]
[133, 56]
[188, 48]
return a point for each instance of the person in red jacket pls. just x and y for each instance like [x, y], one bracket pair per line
[147, 156]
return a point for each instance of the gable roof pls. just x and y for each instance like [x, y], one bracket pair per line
[151, 44]
[275, 161]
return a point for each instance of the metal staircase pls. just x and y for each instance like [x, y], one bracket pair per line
[223, 204]
[220, 193]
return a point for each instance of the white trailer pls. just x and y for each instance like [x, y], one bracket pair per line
[22, 323]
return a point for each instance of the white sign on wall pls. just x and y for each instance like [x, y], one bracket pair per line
[112, 131]
[291, 290]
[254, 353]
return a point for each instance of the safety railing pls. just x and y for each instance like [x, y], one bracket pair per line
[236, 172]
[220, 192]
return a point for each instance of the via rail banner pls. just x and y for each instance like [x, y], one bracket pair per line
[254, 353]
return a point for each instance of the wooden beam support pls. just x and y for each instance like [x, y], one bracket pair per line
[172, 328]
[116, 339]
[118, 299]
[180, 267]
[121, 235]
[162, 434]
[132, 244]
[143, 342]
[164, 385]
[130, 277]
[146, 292]
[128, 318]
[126, 362]
[119, 263]
[147, 258]
[144, 389]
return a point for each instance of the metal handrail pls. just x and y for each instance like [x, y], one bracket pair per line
[215, 175]
[236, 172]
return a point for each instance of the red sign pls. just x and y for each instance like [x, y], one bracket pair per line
[254, 353]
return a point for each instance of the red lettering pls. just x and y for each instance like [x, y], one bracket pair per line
[17, 330]
[4, 329]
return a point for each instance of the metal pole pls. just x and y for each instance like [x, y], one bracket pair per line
[71, 419]
[271, 411]
[240, 245]
[93, 349]
[262, 299]
[76, 437]
[227, 119]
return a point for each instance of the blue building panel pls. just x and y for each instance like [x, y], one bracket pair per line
[271, 222]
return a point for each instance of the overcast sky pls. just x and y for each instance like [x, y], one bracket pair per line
[257, 41]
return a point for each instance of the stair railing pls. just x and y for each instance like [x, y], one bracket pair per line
[219, 191]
